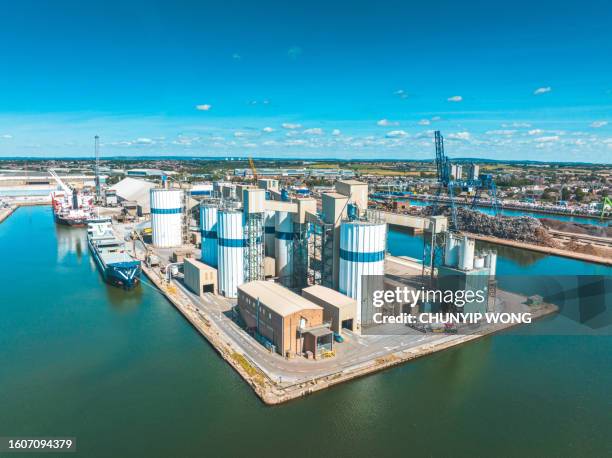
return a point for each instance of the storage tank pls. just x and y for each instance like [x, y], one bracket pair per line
[479, 262]
[451, 250]
[283, 240]
[270, 230]
[166, 217]
[231, 245]
[208, 229]
[362, 252]
[466, 253]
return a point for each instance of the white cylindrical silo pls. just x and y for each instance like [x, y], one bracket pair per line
[362, 253]
[208, 229]
[466, 253]
[270, 230]
[166, 217]
[231, 243]
[451, 250]
[283, 240]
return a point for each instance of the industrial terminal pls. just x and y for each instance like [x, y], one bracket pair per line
[281, 278]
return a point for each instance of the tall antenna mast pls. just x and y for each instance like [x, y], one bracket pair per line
[97, 152]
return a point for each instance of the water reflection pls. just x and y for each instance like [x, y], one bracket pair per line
[521, 257]
[123, 300]
[70, 240]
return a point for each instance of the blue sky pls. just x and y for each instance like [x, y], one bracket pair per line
[522, 80]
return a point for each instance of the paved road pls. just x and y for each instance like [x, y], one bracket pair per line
[355, 351]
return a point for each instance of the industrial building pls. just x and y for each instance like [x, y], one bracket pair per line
[134, 190]
[338, 309]
[284, 321]
[465, 270]
[199, 277]
[301, 269]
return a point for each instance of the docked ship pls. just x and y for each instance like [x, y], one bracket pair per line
[70, 207]
[118, 268]
[74, 210]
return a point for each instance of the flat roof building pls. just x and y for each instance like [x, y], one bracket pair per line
[282, 320]
[199, 277]
[338, 309]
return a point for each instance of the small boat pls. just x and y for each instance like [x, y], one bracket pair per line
[118, 268]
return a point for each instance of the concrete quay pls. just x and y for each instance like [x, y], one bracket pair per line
[276, 379]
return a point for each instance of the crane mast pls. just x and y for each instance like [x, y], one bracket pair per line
[97, 167]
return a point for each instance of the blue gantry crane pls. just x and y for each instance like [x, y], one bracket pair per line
[447, 183]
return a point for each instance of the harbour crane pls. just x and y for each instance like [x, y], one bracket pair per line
[97, 167]
[67, 189]
[253, 169]
[447, 182]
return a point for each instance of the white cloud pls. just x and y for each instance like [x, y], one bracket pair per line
[236, 56]
[386, 122]
[203, 107]
[517, 125]
[542, 90]
[238, 134]
[460, 135]
[7, 136]
[436, 118]
[289, 125]
[424, 122]
[295, 142]
[250, 145]
[294, 52]
[501, 132]
[144, 141]
[268, 129]
[455, 98]
[598, 124]
[336, 132]
[548, 139]
[401, 93]
[535, 132]
[396, 134]
[314, 131]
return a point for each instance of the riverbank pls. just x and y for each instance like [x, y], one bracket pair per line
[525, 209]
[6, 212]
[543, 249]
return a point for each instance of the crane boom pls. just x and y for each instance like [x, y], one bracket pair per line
[67, 189]
[253, 169]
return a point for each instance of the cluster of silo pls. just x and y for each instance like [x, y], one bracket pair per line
[460, 253]
[233, 238]
[167, 217]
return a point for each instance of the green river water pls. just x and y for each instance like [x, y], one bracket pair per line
[127, 376]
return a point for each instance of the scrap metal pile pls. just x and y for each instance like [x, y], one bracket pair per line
[523, 228]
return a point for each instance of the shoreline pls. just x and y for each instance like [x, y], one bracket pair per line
[523, 209]
[543, 249]
[6, 212]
